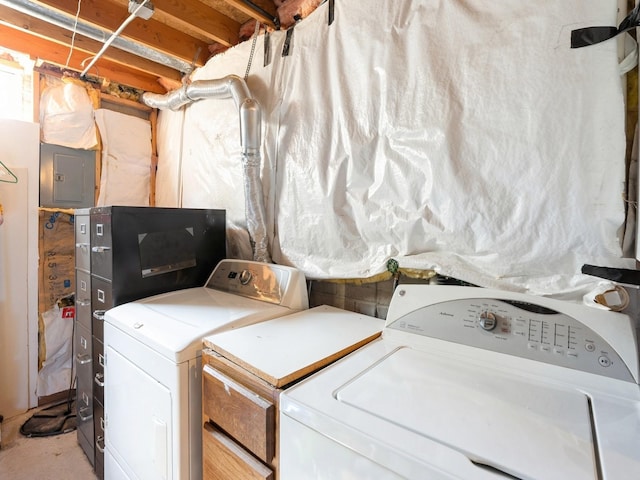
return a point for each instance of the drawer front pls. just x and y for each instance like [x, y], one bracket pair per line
[83, 298]
[84, 417]
[224, 459]
[83, 242]
[98, 427]
[83, 358]
[86, 445]
[101, 246]
[242, 413]
[98, 370]
[101, 301]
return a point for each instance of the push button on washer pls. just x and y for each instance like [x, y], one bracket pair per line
[590, 347]
[604, 361]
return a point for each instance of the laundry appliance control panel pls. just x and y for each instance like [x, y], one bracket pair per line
[520, 328]
[266, 282]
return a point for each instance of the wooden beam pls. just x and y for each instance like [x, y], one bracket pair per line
[126, 104]
[56, 53]
[45, 30]
[152, 33]
[197, 18]
[256, 15]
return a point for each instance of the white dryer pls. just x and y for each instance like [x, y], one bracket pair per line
[472, 383]
[153, 405]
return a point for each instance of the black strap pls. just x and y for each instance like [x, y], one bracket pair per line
[583, 37]
[267, 48]
[620, 275]
[331, 11]
[286, 48]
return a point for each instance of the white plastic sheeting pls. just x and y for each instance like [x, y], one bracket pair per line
[55, 374]
[463, 136]
[66, 116]
[126, 159]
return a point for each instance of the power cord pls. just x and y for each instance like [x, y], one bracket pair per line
[73, 37]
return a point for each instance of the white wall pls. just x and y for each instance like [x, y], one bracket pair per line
[19, 150]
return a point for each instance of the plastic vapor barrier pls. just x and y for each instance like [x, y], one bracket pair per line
[462, 136]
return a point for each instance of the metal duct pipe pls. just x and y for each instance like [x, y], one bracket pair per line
[250, 114]
[53, 17]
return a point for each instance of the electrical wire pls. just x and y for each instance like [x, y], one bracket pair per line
[73, 36]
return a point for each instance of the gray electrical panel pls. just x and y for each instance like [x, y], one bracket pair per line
[67, 176]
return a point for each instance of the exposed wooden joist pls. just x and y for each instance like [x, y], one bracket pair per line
[152, 33]
[238, 5]
[85, 45]
[196, 18]
[50, 51]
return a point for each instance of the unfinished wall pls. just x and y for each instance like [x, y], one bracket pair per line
[391, 135]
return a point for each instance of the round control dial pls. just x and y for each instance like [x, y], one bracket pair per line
[245, 277]
[488, 321]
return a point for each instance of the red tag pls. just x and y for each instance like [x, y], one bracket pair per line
[68, 312]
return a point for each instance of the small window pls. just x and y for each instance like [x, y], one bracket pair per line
[16, 86]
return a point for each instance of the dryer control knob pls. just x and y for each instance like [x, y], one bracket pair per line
[245, 277]
[488, 321]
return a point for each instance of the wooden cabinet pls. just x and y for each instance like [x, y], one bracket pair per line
[247, 416]
[246, 369]
[240, 416]
[224, 458]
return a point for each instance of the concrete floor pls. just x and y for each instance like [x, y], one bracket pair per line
[57, 457]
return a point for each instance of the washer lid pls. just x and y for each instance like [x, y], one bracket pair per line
[174, 323]
[524, 429]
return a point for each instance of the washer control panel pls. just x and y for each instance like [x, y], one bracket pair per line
[517, 328]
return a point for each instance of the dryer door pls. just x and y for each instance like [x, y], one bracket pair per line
[138, 420]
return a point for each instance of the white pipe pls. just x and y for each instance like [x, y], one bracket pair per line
[115, 35]
[250, 114]
[63, 21]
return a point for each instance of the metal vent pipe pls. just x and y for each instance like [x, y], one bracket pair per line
[250, 114]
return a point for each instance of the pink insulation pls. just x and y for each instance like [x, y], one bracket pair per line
[247, 29]
[288, 9]
[216, 48]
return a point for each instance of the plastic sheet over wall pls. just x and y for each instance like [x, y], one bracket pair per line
[463, 136]
[66, 116]
[57, 330]
[126, 159]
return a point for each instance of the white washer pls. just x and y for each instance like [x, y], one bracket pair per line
[472, 383]
[153, 405]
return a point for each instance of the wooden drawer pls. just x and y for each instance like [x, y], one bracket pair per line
[242, 413]
[222, 458]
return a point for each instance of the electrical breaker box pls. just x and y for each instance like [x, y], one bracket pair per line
[67, 177]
